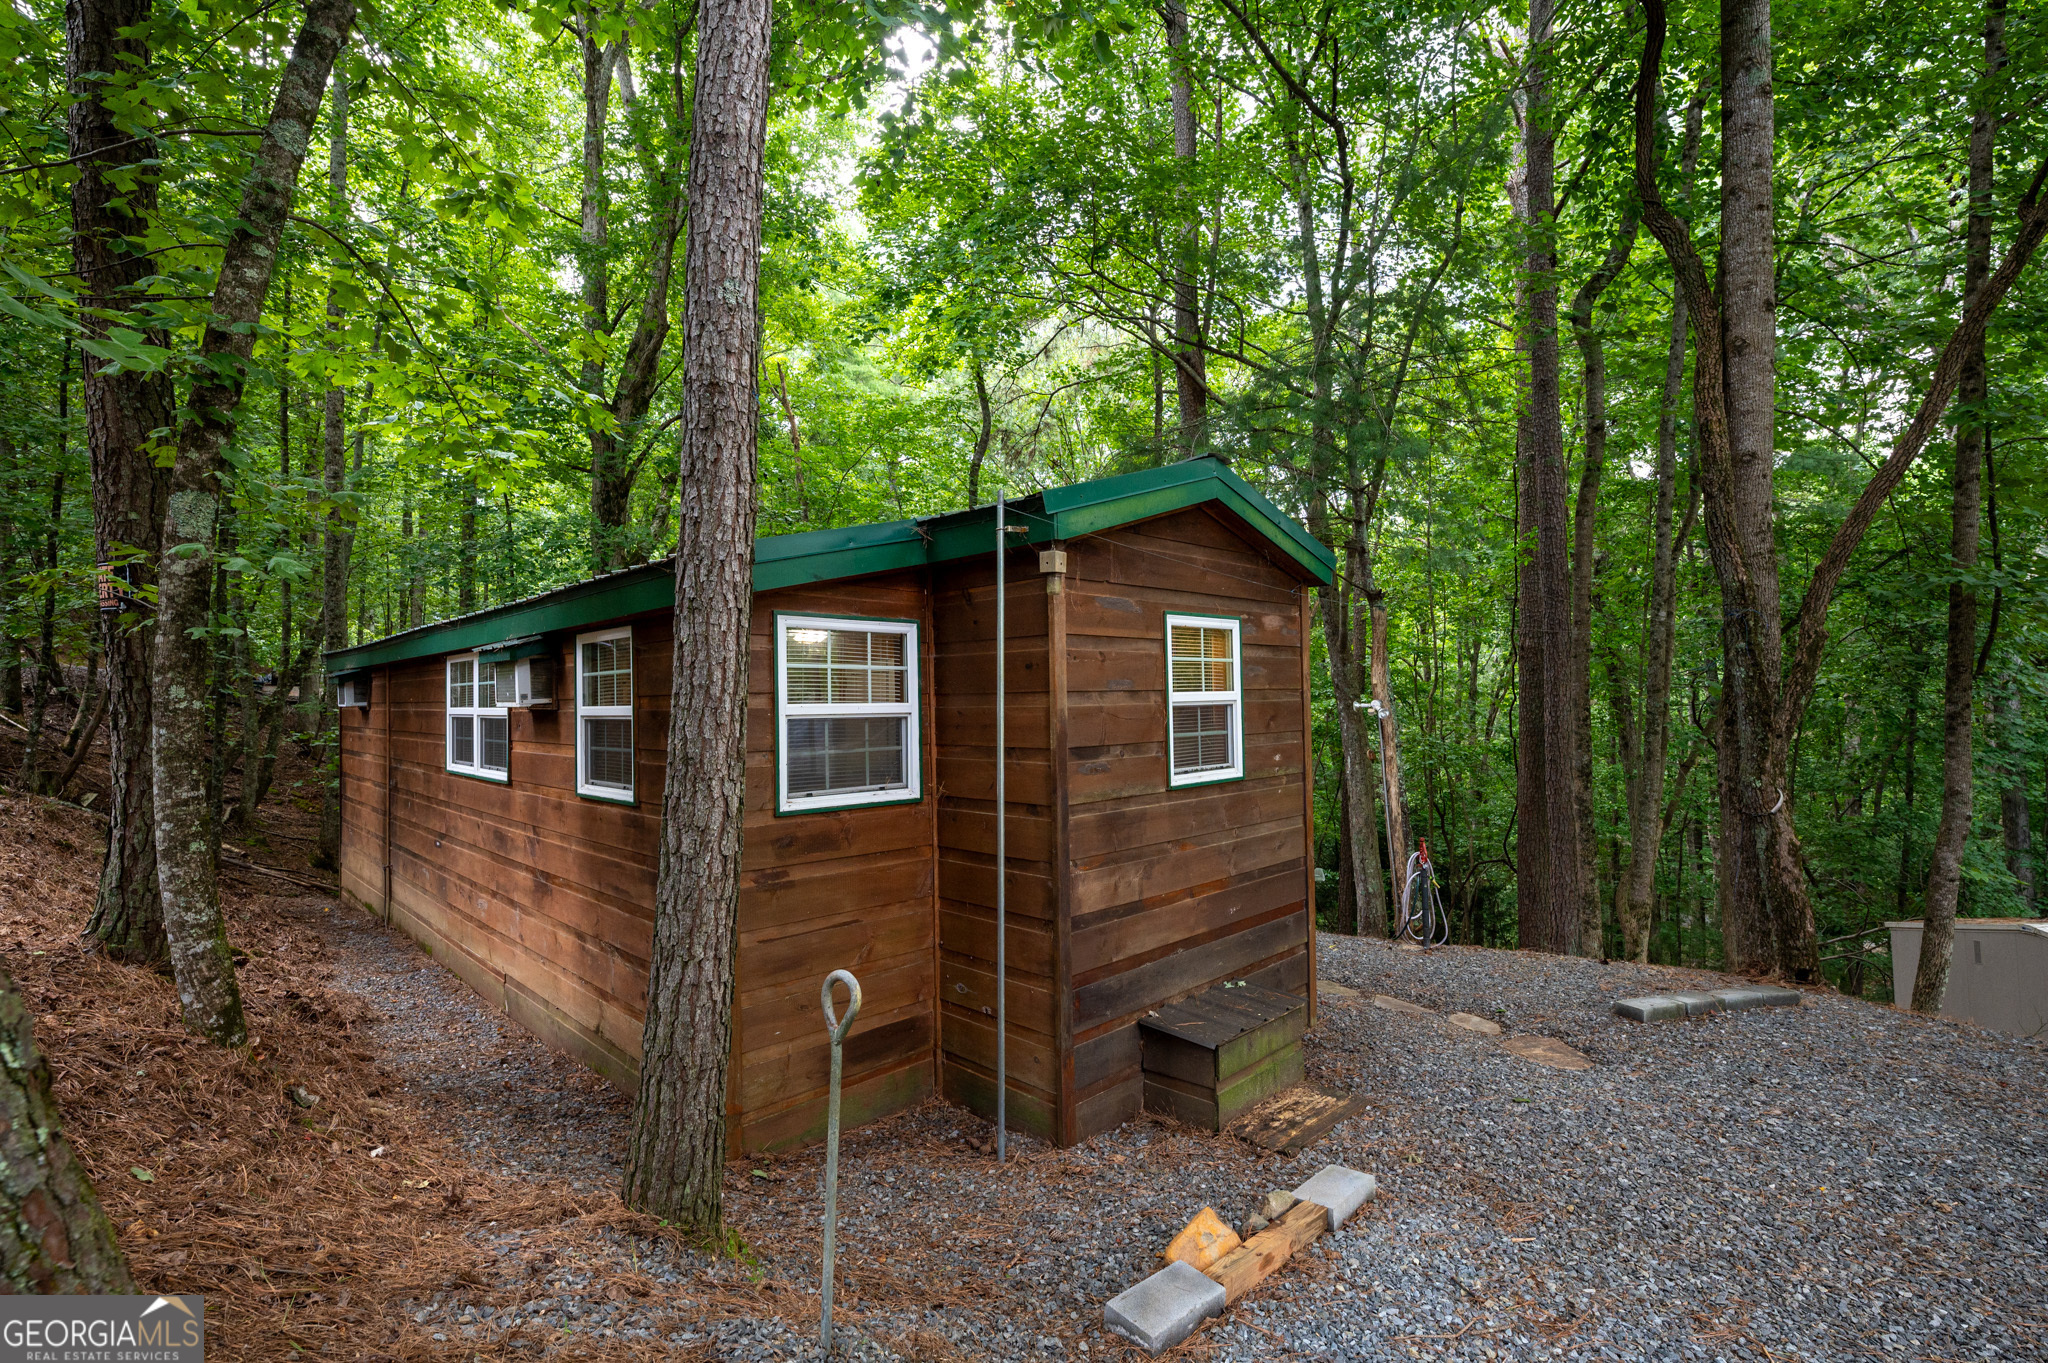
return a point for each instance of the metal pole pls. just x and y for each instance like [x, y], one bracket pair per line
[1002, 858]
[837, 1028]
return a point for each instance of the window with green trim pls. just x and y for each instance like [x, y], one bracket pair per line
[846, 696]
[1205, 692]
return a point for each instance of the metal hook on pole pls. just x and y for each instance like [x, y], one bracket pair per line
[837, 1027]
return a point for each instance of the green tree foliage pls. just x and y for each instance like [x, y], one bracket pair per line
[974, 221]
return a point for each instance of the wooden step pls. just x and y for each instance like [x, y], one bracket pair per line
[1210, 1057]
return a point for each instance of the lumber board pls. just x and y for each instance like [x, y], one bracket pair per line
[1294, 1119]
[1258, 1258]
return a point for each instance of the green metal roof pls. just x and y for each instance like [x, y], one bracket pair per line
[826, 555]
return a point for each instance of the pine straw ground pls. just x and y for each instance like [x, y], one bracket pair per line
[307, 1229]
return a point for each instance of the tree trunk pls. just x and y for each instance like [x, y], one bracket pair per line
[465, 550]
[53, 1236]
[982, 433]
[675, 1157]
[1639, 868]
[1750, 784]
[1780, 696]
[2013, 815]
[47, 677]
[1382, 673]
[1586, 519]
[1364, 908]
[1548, 868]
[607, 512]
[1959, 673]
[334, 468]
[114, 197]
[1190, 367]
[186, 835]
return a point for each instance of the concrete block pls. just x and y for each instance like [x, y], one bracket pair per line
[1163, 1310]
[1780, 998]
[1342, 1190]
[1698, 1002]
[1742, 1000]
[1651, 1008]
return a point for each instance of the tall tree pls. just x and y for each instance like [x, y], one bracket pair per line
[1585, 524]
[675, 1158]
[185, 824]
[335, 536]
[1548, 871]
[1644, 738]
[1751, 650]
[1757, 692]
[1190, 366]
[113, 206]
[1959, 672]
[53, 1235]
[615, 431]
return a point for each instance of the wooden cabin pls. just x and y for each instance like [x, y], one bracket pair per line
[501, 791]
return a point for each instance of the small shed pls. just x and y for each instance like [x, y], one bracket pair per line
[1997, 974]
[501, 792]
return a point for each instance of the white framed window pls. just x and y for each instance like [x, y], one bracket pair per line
[479, 735]
[1205, 700]
[846, 713]
[604, 714]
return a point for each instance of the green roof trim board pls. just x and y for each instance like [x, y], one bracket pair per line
[1058, 514]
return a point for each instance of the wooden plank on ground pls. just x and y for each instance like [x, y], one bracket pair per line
[1292, 1121]
[1546, 1050]
[1259, 1257]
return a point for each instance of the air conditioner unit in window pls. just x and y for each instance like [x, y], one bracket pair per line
[353, 692]
[528, 682]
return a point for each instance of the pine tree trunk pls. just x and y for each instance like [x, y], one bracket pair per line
[114, 196]
[675, 1156]
[1959, 673]
[53, 1235]
[186, 835]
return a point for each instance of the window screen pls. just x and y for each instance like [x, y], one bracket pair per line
[479, 738]
[1207, 699]
[847, 695]
[604, 718]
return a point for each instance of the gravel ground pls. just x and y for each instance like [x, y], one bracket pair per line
[1832, 1181]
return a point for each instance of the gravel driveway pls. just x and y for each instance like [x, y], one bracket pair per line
[1832, 1181]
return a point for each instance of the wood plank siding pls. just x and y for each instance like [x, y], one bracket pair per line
[964, 616]
[1124, 892]
[542, 900]
[1175, 889]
